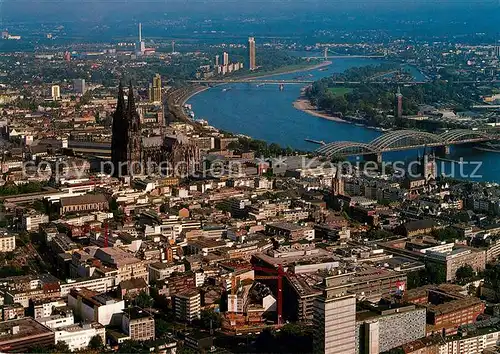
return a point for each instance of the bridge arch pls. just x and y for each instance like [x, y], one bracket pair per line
[345, 148]
[452, 136]
[404, 138]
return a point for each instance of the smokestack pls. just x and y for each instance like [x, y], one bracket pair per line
[140, 32]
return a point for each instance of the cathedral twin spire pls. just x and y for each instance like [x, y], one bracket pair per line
[121, 108]
[126, 133]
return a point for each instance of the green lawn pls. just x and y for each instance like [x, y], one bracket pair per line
[340, 91]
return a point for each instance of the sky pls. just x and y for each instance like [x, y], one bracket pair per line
[292, 16]
[16, 9]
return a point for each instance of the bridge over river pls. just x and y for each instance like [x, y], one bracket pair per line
[398, 140]
[264, 81]
[294, 81]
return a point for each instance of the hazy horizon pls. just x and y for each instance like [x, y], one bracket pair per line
[108, 19]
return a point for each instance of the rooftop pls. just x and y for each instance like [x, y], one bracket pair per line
[287, 226]
[135, 313]
[454, 305]
[83, 199]
[21, 328]
[116, 256]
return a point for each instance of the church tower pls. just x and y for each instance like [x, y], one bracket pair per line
[134, 147]
[399, 104]
[428, 165]
[338, 183]
[119, 139]
[126, 143]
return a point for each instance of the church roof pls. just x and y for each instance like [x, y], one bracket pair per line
[152, 141]
[180, 138]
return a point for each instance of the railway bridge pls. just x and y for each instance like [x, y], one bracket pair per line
[398, 140]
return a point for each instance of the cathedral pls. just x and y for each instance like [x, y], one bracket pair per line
[169, 154]
[126, 144]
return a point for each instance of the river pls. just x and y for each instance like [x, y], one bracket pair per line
[263, 112]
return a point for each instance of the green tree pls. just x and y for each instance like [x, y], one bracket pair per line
[113, 205]
[472, 290]
[265, 342]
[8, 271]
[61, 347]
[37, 349]
[464, 274]
[96, 342]
[434, 274]
[132, 346]
[186, 350]
[162, 327]
[143, 300]
[492, 279]
[414, 279]
[378, 234]
[209, 315]
[446, 234]
[296, 338]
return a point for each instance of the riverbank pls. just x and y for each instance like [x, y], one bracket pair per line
[191, 93]
[303, 104]
[287, 70]
[282, 71]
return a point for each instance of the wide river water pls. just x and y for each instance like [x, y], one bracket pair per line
[263, 112]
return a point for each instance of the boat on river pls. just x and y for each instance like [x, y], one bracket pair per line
[319, 142]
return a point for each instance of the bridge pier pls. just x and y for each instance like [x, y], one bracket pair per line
[374, 157]
[442, 151]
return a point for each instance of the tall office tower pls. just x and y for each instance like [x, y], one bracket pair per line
[140, 46]
[217, 60]
[497, 51]
[155, 89]
[55, 92]
[251, 53]
[79, 86]
[334, 323]
[399, 103]
[225, 59]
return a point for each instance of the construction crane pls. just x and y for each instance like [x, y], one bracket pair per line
[280, 273]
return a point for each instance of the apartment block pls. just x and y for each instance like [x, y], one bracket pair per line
[7, 242]
[160, 270]
[187, 305]
[32, 221]
[471, 343]
[138, 324]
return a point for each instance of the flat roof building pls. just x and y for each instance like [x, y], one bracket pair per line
[18, 336]
[187, 305]
[138, 324]
[91, 306]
